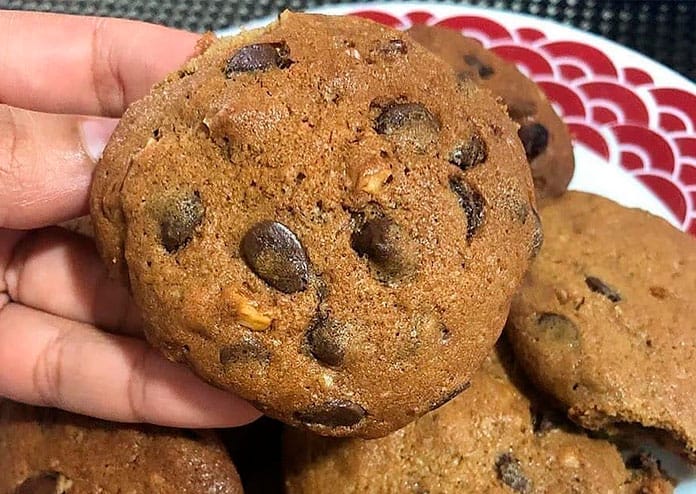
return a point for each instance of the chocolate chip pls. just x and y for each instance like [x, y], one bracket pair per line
[470, 154]
[326, 339]
[382, 241]
[259, 56]
[335, 413]
[598, 286]
[557, 327]
[484, 71]
[394, 47]
[450, 396]
[275, 254]
[372, 240]
[510, 473]
[180, 220]
[658, 292]
[473, 204]
[409, 122]
[521, 109]
[44, 483]
[535, 138]
[537, 235]
[248, 350]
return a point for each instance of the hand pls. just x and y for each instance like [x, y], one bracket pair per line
[56, 301]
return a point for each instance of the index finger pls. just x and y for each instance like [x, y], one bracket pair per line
[84, 65]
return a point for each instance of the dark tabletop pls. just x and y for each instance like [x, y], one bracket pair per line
[664, 30]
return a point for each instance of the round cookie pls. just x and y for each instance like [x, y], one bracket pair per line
[544, 135]
[313, 211]
[47, 451]
[605, 319]
[496, 437]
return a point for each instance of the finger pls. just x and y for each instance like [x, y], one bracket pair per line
[46, 164]
[50, 361]
[78, 287]
[86, 65]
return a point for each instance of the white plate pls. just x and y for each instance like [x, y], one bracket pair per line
[633, 119]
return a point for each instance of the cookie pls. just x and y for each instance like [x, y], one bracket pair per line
[495, 437]
[545, 137]
[309, 212]
[46, 451]
[605, 320]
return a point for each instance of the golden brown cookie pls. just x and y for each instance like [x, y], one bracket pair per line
[605, 320]
[496, 437]
[312, 211]
[544, 135]
[47, 451]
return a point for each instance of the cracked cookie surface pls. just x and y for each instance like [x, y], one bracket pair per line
[319, 217]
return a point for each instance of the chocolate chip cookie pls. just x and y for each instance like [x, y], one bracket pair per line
[496, 436]
[605, 320]
[544, 135]
[319, 217]
[46, 451]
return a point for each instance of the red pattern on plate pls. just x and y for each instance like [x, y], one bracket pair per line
[618, 113]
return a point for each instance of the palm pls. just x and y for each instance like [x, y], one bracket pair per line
[69, 336]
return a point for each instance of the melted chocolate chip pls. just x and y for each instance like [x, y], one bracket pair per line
[510, 473]
[468, 155]
[259, 56]
[180, 221]
[326, 339]
[409, 122]
[394, 47]
[473, 204]
[535, 138]
[44, 483]
[484, 71]
[248, 350]
[557, 327]
[450, 396]
[372, 240]
[335, 413]
[598, 286]
[381, 241]
[274, 253]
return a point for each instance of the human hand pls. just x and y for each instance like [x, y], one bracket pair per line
[56, 301]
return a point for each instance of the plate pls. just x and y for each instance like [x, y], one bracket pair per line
[632, 119]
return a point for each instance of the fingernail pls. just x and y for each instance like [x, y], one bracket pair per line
[95, 134]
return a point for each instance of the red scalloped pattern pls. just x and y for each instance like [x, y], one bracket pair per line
[617, 112]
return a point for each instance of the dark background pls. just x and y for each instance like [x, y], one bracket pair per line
[662, 29]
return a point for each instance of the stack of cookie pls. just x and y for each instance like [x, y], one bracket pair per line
[335, 221]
